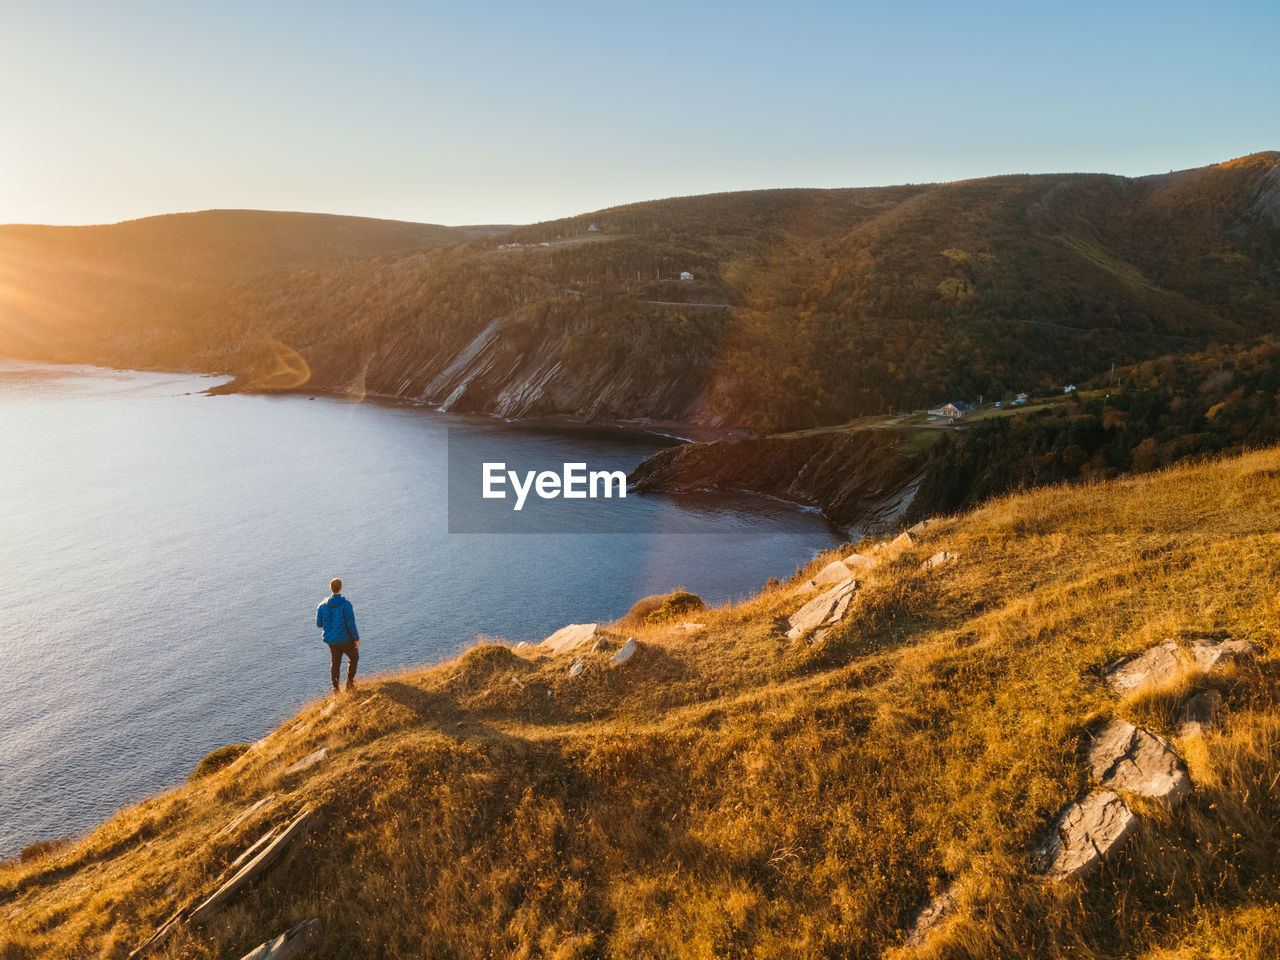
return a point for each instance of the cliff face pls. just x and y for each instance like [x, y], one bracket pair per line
[856, 478]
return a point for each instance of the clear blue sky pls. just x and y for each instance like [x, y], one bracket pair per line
[514, 112]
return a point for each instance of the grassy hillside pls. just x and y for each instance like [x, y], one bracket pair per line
[728, 792]
[806, 307]
[93, 292]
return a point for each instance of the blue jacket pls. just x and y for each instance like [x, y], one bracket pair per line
[338, 618]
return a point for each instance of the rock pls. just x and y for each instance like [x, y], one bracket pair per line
[1086, 833]
[924, 525]
[826, 608]
[1155, 667]
[329, 708]
[625, 653]
[309, 760]
[1211, 655]
[577, 668]
[1199, 714]
[691, 627]
[245, 814]
[904, 540]
[932, 916]
[292, 943]
[1125, 757]
[601, 645]
[938, 559]
[567, 638]
[833, 572]
[857, 561]
[522, 645]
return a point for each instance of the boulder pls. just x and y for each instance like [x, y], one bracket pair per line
[1155, 667]
[932, 916]
[1125, 757]
[938, 559]
[826, 608]
[904, 541]
[923, 525]
[1086, 833]
[1211, 655]
[625, 653]
[577, 668]
[292, 943]
[310, 760]
[1199, 714]
[570, 637]
[833, 572]
[858, 561]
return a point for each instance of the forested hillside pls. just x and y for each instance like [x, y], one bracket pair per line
[806, 307]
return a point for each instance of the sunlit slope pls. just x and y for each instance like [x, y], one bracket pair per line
[79, 291]
[729, 792]
[805, 307]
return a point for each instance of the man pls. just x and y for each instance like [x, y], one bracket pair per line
[337, 618]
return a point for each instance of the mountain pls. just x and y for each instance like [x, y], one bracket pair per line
[805, 308]
[84, 293]
[732, 790]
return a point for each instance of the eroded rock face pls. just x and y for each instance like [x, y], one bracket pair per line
[1125, 757]
[826, 608]
[1199, 714]
[1211, 655]
[1155, 667]
[1086, 833]
[567, 638]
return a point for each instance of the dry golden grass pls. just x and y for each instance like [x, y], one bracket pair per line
[728, 793]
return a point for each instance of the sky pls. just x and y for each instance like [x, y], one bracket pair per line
[486, 112]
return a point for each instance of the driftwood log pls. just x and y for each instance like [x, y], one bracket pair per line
[244, 870]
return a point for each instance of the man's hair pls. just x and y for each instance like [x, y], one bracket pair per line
[335, 585]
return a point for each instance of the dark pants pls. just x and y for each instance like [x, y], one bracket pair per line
[336, 650]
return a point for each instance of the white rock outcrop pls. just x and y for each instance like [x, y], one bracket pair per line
[1086, 833]
[834, 572]
[625, 652]
[570, 637]
[1128, 758]
[824, 609]
[938, 559]
[1211, 655]
[1152, 668]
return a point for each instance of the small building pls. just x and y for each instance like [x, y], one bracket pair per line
[1069, 388]
[686, 275]
[1021, 398]
[952, 410]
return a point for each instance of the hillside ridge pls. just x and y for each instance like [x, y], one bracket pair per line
[729, 788]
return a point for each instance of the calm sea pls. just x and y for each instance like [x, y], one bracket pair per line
[162, 553]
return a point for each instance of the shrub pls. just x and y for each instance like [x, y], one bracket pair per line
[677, 604]
[215, 760]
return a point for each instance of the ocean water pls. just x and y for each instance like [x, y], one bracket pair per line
[162, 553]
